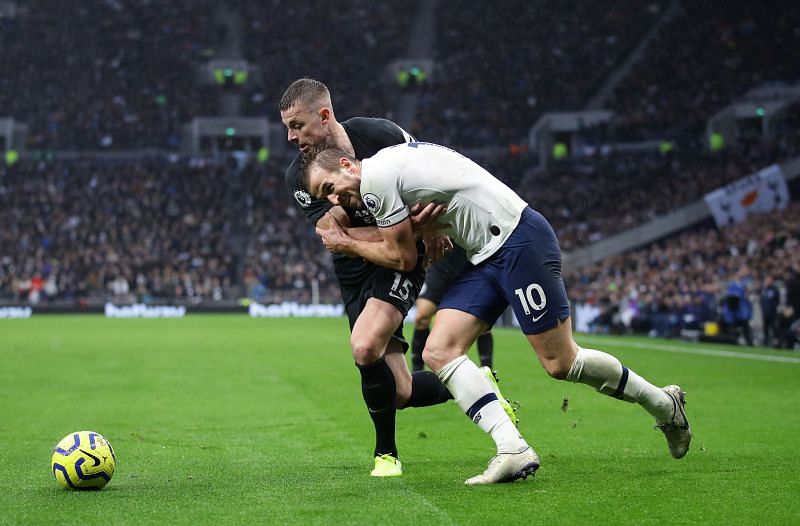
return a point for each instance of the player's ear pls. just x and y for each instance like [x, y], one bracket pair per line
[324, 114]
[345, 163]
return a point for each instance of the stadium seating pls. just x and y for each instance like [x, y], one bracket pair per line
[122, 76]
[681, 282]
[106, 75]
[80, 228]
[709, 54]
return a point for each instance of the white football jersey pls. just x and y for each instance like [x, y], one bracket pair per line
[482, 211]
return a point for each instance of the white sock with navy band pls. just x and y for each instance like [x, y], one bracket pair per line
[606, 374]
[473, 394]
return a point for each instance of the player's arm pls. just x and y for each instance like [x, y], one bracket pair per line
[338, 214]
[396, 249]
[366, 233]
[423, 222]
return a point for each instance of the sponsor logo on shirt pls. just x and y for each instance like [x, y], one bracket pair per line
[372, 202]
[364, 216]
[303, 198]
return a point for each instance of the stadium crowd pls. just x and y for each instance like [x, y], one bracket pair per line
[350, 51]
[283, 260]
[106, 74]
[693, 278]
[155, 229]
[492, 91]
[709, 54]
[116, 75]
[131, 231]
[594, 198]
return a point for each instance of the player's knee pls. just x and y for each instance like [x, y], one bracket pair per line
[430, 358]
[437, 356]
[557, 368]
[557, 371]
[365, 350]
[556, 352]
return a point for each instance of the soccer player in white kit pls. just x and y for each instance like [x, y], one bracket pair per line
[514, 258]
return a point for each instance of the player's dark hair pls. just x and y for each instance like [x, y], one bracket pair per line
[327, 159]
[303, 91]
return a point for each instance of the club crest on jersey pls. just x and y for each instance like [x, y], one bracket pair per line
[372, 202]
[303, 198]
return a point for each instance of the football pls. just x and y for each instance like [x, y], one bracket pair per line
[83, 460]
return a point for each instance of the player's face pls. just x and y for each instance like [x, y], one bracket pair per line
[340, 187]
[305, 127]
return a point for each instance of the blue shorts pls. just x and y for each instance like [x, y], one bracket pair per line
[525, 273]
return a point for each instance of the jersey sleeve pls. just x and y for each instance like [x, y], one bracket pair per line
[391, 133]
[380, 192]
[312, 207]
[377, 133]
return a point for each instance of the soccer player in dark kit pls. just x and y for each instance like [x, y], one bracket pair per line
[376, 299]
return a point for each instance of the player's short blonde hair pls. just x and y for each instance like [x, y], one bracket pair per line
[305, 91]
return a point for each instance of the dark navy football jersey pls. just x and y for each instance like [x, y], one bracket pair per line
[368, 136]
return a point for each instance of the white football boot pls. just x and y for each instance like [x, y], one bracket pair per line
[508, 467]
[677, 430]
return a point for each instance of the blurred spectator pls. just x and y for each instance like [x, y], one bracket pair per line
[770, 299]
[680, 281]
[789, 323]
[737, 311]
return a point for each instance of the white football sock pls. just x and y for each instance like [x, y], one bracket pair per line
[606, 374]
[473, 394]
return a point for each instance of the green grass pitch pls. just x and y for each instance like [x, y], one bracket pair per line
[233, 420]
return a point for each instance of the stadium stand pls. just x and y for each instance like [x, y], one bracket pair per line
[349, 50]
[90, 230]
[683, 282]
[106, 74]
[113, 75]
[283, 260]
[593, 199]
[707, 55]
[552, 56]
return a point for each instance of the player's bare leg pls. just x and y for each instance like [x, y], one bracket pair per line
[448, 343]
[564, 359]
[402, 377]
[422, 328]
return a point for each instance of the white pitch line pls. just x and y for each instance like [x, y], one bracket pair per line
[697, 350]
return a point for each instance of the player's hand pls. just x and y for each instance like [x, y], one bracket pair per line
[424, 217]
[436, 246]
[334, 237]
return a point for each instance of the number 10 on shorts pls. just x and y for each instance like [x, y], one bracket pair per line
[528, 299]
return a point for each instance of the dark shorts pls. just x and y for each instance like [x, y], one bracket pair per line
[400, 289]
[525, 273]
[443, 274]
